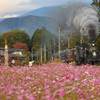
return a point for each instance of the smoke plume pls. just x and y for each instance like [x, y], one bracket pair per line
[77, 16]
[86, 21]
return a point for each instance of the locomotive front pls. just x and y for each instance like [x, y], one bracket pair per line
[93, 55]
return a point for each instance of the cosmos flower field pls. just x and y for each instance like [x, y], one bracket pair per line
[52, 81]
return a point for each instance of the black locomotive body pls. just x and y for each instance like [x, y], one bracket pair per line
[87, 54]
[82, 54]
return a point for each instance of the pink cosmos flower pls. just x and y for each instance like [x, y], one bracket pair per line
[82, 99]
[61, 93]
[47, 91]
[19, 97]
[31, 97]
[25, 89]
[96, 86]
[17, 92]
[92, 96]
[67, 77]
[48, 97]
[8, 97]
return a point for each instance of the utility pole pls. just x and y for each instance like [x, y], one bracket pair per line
[37, 55]
[68, 41]
[6, 53]
[54, 44]
[32, 54]
[44, 52]
[50, 50]
[59, 40]
[41, 54]
[81, 40]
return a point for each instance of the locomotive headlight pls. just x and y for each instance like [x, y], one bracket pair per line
[93, 44]
[81, 47]
[94, 53]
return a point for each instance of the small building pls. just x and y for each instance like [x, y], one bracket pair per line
[2, 51]
[12, 54]
[16, 54]
[16, 51]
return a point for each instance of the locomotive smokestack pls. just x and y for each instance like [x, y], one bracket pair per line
[92, 35]
[92, 32]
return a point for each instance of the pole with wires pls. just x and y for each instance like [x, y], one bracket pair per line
[59, 40]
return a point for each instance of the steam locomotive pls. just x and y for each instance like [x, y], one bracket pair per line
[82, 54]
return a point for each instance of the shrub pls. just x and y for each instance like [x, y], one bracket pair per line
[57, 60]
[37, 63]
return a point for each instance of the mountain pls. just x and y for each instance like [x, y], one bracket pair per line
[1, 20]
[44, 11]
[28, 23]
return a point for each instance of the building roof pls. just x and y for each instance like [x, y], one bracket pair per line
[13, 50]
[2, 48]
[16, 55]
[1, 55]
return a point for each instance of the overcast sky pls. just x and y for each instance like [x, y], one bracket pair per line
[13, 8]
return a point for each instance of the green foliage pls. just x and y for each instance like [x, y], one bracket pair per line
[57, 60]
[97, 3]
[13, 37]
[5, 41]
[27, 55]
[76, 39]
[40, 37]
[1, 63]
[37, 63]
[17, 63]
[97, 42]
[27, 60]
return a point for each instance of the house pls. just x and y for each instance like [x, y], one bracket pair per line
[16, 54]
[12, 54]
[2, 51]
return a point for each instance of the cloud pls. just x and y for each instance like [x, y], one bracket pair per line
[9, 16]
[13, 7]
[10, 6]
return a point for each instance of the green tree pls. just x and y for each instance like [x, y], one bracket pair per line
[13, 37]
[75, 39]
[27, 55]
[97, 42]
[97, 3]
[40, 37]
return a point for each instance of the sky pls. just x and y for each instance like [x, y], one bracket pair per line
[14, 8]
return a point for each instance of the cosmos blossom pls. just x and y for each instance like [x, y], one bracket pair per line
[51, 81]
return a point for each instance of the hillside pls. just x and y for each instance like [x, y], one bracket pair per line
[28, 23]
[44, 11]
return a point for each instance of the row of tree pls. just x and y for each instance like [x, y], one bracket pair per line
[21, 40]
[15, 37]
